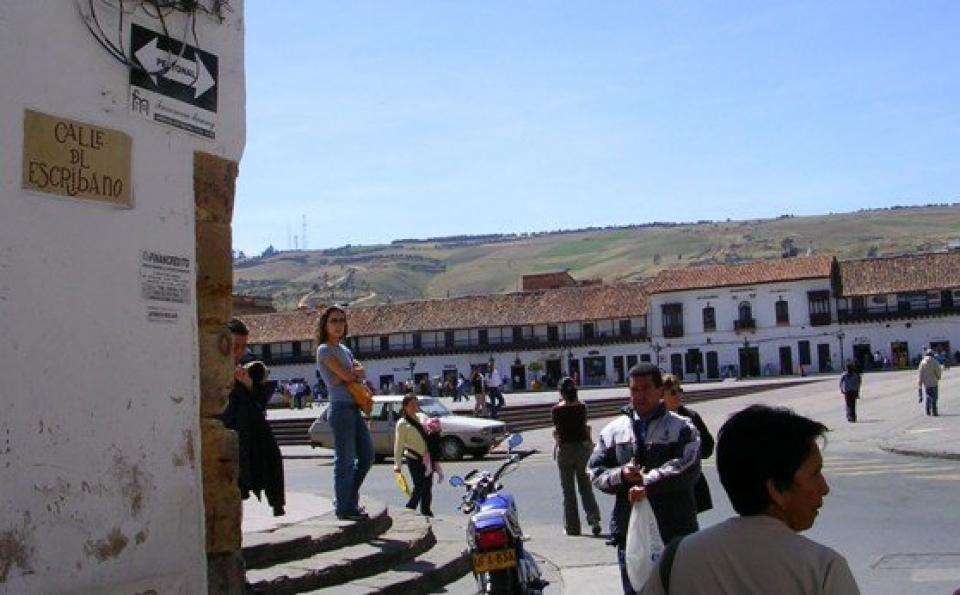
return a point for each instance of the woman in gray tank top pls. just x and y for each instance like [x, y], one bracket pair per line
[353, 448]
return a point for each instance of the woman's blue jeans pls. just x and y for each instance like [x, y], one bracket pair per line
[353, 454]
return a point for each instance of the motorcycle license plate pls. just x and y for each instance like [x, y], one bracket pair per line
[497, 560]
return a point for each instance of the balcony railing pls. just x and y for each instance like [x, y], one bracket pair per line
[672, 331]
[893, 312]
[821, 319]
[741, 325]
[507, 346]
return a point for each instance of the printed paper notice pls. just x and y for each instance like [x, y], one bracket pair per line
[165, 278]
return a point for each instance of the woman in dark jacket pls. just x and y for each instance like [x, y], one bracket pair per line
[672, 398]
[573, 451]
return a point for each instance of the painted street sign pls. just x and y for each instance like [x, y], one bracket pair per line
[76, 159]
[177, 84]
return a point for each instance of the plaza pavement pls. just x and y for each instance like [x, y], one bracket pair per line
[578, 569]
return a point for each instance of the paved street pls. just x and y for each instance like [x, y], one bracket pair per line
[892, 516]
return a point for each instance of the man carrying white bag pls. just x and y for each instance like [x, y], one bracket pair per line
[647, 454]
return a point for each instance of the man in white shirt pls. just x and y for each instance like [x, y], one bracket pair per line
[494, 390]
[770, 465]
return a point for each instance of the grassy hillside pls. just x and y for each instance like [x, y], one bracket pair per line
[461, 266]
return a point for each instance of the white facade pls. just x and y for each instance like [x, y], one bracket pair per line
[99, 437]
[779, 344]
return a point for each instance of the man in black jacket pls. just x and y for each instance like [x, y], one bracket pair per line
[648, 452]
[261, 464]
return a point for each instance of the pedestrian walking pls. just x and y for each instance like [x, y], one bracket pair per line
[352, 446]
[461, 388]
[771, 467]
[573, 449]
[673, 399]
[850, 388]
[494, 384]
[260, 461]
[928, 379]
[647, 452]
[480, 397]
[419, 450]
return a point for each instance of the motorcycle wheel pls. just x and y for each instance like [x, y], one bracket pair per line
[498, 582]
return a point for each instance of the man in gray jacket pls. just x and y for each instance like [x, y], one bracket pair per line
[928, 377]
[648, 452]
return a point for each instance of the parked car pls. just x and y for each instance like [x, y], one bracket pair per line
[459, 434]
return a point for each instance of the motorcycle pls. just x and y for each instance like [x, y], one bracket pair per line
[501, 563]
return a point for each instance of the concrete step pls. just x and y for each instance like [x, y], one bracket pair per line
[312, 536]
[442, 564]
[409, 536]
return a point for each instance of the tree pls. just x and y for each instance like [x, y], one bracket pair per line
[268, 252]
[787, 248]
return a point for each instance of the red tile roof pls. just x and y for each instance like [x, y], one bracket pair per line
[751, 273]
[554, 280]
[571, 304]
[896, 274]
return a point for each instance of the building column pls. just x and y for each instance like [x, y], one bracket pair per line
[214, 183]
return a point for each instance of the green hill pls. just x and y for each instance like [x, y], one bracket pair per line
[462, 265]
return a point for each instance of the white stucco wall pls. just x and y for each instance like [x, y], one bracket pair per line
[769, 337]
[99, 437]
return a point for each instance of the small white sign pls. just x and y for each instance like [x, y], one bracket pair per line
[166, 282]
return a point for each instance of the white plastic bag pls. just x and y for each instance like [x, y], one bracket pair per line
[644, 544]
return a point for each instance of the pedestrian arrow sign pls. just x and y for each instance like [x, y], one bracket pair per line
[179, 69]
[173, 83]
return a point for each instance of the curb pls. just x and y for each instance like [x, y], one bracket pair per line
[927, 454]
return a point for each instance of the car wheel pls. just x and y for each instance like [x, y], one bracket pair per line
[452, 448]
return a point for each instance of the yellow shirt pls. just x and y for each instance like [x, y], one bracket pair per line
[407, 437]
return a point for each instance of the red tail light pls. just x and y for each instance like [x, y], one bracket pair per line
[493, 539]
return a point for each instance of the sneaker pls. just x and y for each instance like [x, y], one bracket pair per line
[595, 528]
[278, 511]
[352, 516]
[572, 533]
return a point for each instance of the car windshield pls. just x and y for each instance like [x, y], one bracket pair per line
[433, 407]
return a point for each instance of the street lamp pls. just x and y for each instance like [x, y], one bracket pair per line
[840, 336]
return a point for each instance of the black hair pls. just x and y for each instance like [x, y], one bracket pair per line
[257, 371]
[237, 327]
[646, 369]
[406, 400]
[568, 389]
[852, 368]
[758, 444]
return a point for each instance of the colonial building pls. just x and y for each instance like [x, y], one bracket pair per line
[760, 318]
[597, 331]
[763, 318]
[891, 308]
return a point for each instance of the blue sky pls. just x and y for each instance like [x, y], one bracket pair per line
[392, 120]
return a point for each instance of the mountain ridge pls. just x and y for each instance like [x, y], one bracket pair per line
[462, 264]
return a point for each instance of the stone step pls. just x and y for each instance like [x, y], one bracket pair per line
[409, 536]
[443, 564]
[312, 536]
